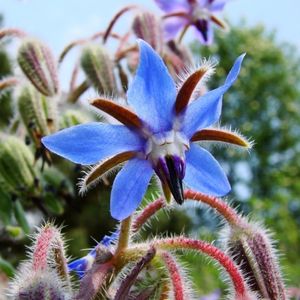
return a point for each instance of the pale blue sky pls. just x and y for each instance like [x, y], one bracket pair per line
[58, 22]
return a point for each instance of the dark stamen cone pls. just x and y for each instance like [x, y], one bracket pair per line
[174, 181]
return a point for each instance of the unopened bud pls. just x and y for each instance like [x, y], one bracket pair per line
[72, 118]
[16, 165]
[45, 274]
[99, 68]
[251, 248]
[37, 63]
[38, 114]
[126, 284]
[41, 285]
[147, 27]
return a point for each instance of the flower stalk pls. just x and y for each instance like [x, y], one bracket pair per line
[174, 274]
[177, 243]
[124, 236]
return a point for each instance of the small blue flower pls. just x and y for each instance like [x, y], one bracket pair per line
[82, 265]
[199, 14]
[159, 135]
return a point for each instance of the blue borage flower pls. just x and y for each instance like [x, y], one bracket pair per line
[158, 136]
[82, 265]
[200, 14]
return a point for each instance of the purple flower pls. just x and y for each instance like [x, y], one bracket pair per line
[197, 13]
[158, 136]
[83, 264]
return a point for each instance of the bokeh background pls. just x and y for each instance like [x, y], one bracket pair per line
[264, 104]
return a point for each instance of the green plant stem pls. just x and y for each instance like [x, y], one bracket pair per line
[124, 235]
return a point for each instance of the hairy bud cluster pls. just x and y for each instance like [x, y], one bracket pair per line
[37, 63]
[251, 247]
[99, 68]
[45, 275]
[17, 171]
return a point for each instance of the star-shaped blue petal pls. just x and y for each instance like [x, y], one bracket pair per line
[157, 137]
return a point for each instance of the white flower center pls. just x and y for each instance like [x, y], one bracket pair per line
[200, 13]
[171, 143]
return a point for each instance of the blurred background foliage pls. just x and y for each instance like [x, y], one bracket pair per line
[262, 104]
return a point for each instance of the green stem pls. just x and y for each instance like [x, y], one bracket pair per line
[124, 235]
[182, 34]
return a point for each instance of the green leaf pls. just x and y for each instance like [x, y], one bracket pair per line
[21, 217]
[6, 267]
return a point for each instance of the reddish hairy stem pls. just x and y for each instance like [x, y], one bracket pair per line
[74, 76]
[80, 42]
[8, 82]
[221, 207]
[42, 248]
[114, 20]
[215, 253]
[123, 53]
[147, 213]
[78, 91]
[228, 213]
[12, 32]
[175, 275]
[181, 14]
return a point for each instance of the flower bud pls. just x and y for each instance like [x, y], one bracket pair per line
[251, 247]
[147, 27]
[72, 118]
[45, 274]
[17, 170]
[41, 285]
[98, 68]
[38, 115]
[37, 63]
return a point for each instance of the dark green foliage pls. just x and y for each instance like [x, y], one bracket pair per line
[264, 104]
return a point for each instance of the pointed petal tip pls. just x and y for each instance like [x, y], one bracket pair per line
[142, 43]
[152, 91]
